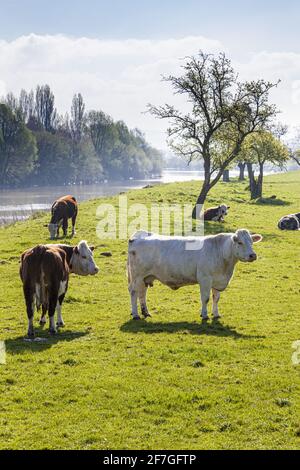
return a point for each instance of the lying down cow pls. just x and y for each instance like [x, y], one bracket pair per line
[45, 271]
[216, 214]
[290, 222]
[180, 261]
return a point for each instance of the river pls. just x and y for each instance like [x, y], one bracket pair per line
[19, 204]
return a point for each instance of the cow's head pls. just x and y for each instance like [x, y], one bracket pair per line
[52, 230]
[223, 209]
[82, 261]
[243, 245]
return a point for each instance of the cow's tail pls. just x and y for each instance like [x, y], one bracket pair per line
[41, 293]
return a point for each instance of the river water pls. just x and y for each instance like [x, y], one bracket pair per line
[19, 204]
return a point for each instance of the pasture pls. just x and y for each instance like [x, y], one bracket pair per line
[107, 382]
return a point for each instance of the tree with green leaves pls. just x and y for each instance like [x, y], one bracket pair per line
[258, 149]
[80, 146]
[17, 148]
[222, 112]
[45, 110]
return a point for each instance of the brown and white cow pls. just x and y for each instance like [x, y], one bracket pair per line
[63, 209]
[216, 214]
[45, 271]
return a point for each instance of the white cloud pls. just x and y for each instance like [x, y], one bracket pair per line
[274, 66]
[2, 88]
[121, 77]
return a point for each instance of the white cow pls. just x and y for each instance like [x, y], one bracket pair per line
[180, 261]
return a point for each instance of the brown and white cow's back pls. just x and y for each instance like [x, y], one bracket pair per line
[44, 272]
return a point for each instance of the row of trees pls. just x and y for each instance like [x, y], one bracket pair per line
[227, 123]
[40, 146]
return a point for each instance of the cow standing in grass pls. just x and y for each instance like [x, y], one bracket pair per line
[63, 209]
[45, 271]
[180, 261]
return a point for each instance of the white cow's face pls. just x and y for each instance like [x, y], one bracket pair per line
[82, 261]
[223, 209]
[243, 245]
[53, 230]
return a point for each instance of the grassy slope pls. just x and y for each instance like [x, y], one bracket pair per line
[170, 382]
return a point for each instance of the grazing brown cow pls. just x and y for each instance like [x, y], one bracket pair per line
[216, 213]
[45, 271]
[63, 209]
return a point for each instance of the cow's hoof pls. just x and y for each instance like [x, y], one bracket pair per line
[60, 324]
[53, 331]
[136, 317]
[30, 334]
[43, 322]
[217, 318]
[147, 315]
[205, 319]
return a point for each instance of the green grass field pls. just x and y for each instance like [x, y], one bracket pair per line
[107, 382]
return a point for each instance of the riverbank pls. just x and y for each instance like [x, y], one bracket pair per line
[169, 382]
[19, 204]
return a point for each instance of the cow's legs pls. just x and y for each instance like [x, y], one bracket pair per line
[29, 299]
[134, 297]
[60, 322]
[134, 307]
[73, 224]
[65, 226]
[142, 294]
[52, 306]
[205, 288]
[43, 317]
[216, 297]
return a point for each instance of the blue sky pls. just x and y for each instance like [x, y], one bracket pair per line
[114, 52]
[239, 24]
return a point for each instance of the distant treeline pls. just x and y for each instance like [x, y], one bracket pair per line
[38, 146]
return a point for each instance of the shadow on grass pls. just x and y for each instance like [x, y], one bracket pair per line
[61, 238]
[215, 328]
[20, 344]
[269, 201]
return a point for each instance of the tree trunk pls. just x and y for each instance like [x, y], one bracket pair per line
[242, 171]
[201, 199]
[260, 180]
[255, 185]
[226, 177]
